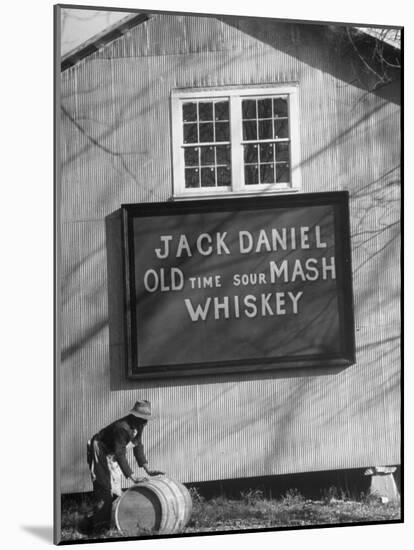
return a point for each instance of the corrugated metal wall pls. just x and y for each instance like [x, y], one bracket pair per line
[116, 149]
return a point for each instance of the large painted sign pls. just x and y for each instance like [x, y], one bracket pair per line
[238, 285]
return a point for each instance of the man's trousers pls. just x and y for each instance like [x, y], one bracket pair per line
[106, 477]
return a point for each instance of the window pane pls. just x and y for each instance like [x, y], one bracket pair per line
[282, 173]
[249, 131]
[265, 108]
[206, 132]
[222, 110]
[251, 175]
[191, 156]
[223, 176]
[267, 173]
[249, 108]
[281, 128]
[205, 111]
[223, 154]
[222, 131]
[280, 107]
[208, 177]
[190, 133]
[192, 177]
[189, 112]
[207, 155]
[282, 151]
[265, 129]
[250, 154]
[266, 152]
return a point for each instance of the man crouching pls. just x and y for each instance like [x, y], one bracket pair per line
[106, 455]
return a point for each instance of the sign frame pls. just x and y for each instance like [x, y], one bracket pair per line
[339, 200]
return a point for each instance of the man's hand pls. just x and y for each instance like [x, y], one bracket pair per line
[137, 479]
[152, 472]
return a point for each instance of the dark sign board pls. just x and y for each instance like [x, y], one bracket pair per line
[233, 285]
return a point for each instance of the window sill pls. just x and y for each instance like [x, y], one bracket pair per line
[214, 193]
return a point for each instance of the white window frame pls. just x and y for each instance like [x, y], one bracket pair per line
[235, 96]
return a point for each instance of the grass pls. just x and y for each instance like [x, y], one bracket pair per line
[73, 510]
[252, 510]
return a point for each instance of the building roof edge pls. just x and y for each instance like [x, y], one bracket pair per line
[102, 39]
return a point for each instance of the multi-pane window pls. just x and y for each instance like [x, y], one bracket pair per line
[235, 140]
[206, 143]
[266, 143]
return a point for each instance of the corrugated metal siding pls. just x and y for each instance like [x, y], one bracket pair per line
[116, 149]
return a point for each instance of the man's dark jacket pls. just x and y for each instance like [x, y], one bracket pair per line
[115, 438]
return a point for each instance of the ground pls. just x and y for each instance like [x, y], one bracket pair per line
[253, 510]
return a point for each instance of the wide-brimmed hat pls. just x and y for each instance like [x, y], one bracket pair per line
[142, 409]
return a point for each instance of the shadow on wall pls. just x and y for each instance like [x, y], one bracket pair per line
[117, 330]
[368, 63]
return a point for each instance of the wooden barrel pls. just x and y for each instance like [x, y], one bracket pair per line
[159, 505]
